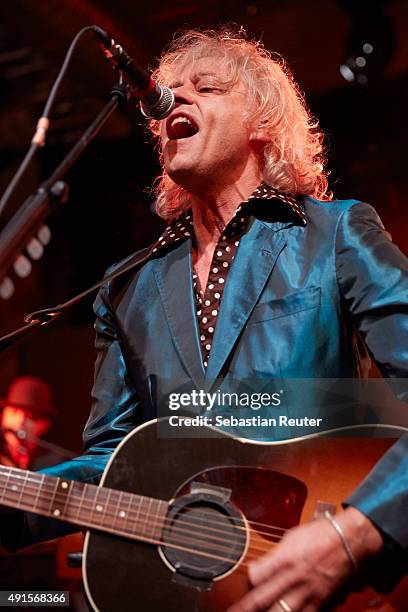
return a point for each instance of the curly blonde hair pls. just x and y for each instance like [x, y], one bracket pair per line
[293, 156]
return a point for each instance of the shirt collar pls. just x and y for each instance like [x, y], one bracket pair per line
[182, 227]
[291, 203]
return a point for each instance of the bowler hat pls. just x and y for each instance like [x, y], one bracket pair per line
[30, 393]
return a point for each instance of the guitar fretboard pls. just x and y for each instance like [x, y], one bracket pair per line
[87, 505]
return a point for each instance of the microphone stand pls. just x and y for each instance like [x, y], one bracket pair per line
[37, 207]
[45, 316]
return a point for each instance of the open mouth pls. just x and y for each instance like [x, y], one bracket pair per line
[181, 126]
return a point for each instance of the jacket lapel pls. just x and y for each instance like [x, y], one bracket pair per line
[254, 261]
[174, 279]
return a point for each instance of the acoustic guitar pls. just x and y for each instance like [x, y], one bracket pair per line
[175, 522]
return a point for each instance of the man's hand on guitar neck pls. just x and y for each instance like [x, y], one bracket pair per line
[310, 564]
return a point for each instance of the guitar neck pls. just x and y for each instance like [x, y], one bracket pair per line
[85, 505]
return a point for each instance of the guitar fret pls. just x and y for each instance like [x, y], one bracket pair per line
[14, 487]
[53, 498]
[35, 505]
[60, 497]
[143, 517]
[24, 490]
[158, 518]
[6, 484]
[106, 506]
[23, 484]
[115, 506]
[161, 513]
[100, 505]
[126, 517]
[41, 500]
[69, 491]
[147, 518]
[80, 502]
[93, 503]
[118, 512]
[73, 500]
[86, 504]
[136, 519]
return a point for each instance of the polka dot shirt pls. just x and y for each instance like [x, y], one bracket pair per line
[208, 300]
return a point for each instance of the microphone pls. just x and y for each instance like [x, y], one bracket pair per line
[156, 101]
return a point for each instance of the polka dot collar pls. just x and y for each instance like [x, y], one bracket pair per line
[182, 227]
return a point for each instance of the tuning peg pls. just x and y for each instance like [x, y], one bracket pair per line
[44, 234]
[35, 249]
[22, 266]
[6, 288]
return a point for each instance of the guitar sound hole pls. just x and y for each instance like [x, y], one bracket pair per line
[203, 539]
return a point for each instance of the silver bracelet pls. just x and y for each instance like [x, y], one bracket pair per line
[343, 539]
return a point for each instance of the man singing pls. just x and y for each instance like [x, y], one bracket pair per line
[258, 274]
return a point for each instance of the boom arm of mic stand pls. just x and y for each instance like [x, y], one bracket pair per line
[22, 332]
[41, 318]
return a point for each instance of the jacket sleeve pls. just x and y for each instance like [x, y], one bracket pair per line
[372, 275]
[113, 415]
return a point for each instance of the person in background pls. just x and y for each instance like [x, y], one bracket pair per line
[26, 416]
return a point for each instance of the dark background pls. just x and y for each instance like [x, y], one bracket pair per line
[109, 210]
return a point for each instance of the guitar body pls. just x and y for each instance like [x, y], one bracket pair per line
[127, 575]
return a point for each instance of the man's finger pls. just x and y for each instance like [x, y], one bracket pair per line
[264, 594]
[294, 600]
[272, 563]
[304, 608]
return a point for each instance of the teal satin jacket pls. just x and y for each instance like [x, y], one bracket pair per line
[296, 298]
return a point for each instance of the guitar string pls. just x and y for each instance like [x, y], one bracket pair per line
[260, 524]
[195, 524]
[23, 477]
[95, 502]
[243, 523]
[133, 530]
[176, 545]
[163, 520]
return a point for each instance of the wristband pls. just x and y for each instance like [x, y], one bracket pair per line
[343, 539]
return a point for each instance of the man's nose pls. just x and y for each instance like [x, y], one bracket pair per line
[183, 95]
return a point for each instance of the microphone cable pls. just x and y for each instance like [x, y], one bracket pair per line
[38, 139]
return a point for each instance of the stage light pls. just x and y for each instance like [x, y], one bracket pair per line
[347, 73]
[371, 42]
[360, 62]
[367, 48]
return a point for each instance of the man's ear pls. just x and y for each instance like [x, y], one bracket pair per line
[258, 133]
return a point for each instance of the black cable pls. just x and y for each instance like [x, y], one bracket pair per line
[61, 74]
[42, 125]
[17, 177]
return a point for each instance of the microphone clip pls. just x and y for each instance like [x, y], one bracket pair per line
[122, 91]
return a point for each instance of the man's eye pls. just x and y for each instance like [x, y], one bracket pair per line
[209, 89]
